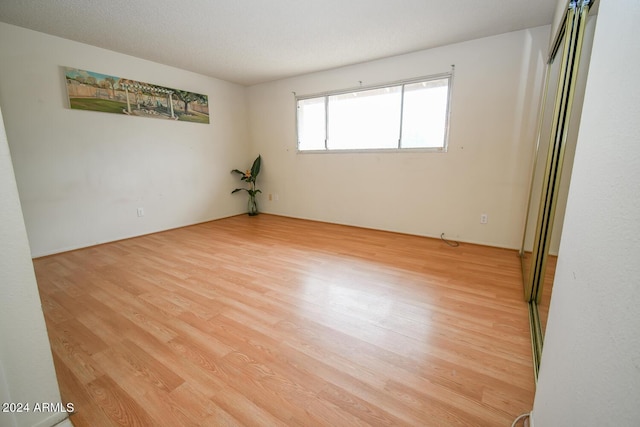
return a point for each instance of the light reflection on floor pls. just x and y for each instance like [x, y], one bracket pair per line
[353, 295]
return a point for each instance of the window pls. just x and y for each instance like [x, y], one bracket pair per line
[411, 114]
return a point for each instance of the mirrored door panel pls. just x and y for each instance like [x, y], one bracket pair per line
[543, 298]
[539, 167]
[557, 136]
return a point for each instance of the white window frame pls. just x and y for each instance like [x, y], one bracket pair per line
[443, 149]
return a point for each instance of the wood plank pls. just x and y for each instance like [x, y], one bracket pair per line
[277, 321]
[116, 404]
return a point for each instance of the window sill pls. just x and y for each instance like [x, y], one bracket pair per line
[375, 150]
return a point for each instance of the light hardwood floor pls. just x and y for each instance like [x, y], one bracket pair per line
[275, 321]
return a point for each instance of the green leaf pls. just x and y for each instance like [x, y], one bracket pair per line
[255, 168]
[239, 189]
[238, 171]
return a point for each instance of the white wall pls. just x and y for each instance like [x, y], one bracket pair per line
[26, 366]
[82, 175]
[487, 168]
[590, 370]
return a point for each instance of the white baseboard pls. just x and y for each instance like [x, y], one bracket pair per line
[55, 420]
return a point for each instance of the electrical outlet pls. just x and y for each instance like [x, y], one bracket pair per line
[484, 218]
[276, 197]
[140, 211]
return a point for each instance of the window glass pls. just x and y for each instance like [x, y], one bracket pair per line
[406, 115]
[311, 124]
[365, 119]
[424, 116]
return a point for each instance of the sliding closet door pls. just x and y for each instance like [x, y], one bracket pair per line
[557, 134]
[545, 128]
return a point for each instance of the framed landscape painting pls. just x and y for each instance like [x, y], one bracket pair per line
[88, 90]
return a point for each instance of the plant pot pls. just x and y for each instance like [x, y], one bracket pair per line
[252, 206]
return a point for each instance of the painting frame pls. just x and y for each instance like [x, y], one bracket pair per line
[93, 91]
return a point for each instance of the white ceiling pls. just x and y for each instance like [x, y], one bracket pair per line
[254, 41]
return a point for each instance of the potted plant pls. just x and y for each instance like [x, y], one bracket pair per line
[250, 176]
